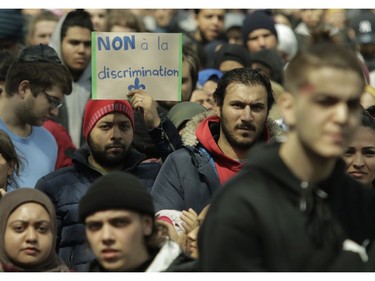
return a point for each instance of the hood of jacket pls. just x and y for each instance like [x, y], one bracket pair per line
[55, 42]
[274, 132]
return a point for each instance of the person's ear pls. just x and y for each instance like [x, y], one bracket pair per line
[147, 223]
[23, 87]
[286, 104]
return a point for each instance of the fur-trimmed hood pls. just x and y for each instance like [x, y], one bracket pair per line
[190, 139]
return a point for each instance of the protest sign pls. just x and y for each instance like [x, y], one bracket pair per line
[122, 61]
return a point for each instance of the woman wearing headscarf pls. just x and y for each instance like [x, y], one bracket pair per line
[28, 232]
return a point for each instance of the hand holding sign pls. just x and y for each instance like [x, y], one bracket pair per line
[142, 100]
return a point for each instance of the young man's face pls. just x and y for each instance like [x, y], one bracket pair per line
[210, 23]
[37, 109]
[43, 31]
[117, 238]
[76, 48]
[261, 39]
[327, 111]
[243, 115]
[98, 18]
[110, 140]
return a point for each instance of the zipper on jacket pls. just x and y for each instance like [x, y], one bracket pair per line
[71, 259]
[303, 201]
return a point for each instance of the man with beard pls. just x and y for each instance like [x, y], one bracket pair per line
[191, 175]
[35, 86]
[293, 208]
[108, 127]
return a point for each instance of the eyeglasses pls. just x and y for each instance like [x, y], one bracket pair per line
[53, 101]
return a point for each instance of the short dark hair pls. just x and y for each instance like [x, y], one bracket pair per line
[79, 18]
[325, 54]
[246, 76]
[8, 151]
[41, 75]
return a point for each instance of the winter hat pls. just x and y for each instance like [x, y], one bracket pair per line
[39, 53]
[257, 20]
[364, 27]
[96, 109]
[173, 217]
[116, 190]
[233, 19]
[11, 24]
[287, 42]
[271, 59]
[233, 52]
[184, 111]
[208, 74]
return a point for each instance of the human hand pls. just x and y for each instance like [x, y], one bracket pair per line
[2, 192]
[189, 220]
[139, 99]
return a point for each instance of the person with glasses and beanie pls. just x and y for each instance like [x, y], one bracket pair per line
[35, 85]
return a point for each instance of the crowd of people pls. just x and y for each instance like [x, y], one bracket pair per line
[267, 163]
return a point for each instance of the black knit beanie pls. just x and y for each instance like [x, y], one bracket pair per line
[257, 20]
[39, 53]
[233, 52]
[116, 190]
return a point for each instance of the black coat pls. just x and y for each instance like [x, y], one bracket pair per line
[66, 186]
[265, 219]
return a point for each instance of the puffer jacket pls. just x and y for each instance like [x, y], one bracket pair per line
[66, 186]
[188, 178]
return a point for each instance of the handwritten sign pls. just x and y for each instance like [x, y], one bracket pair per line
[123, 61]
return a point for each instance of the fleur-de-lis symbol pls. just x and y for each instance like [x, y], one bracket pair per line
[136, 85]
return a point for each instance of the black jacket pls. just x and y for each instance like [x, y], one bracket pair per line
[66, 186]
[265, 219]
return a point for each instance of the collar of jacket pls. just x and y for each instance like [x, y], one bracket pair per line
[133, 159]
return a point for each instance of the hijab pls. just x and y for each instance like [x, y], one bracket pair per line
[8, 204]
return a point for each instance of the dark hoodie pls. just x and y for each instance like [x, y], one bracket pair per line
[266, 219]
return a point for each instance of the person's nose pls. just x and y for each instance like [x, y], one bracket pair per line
[247, 114]
[358, 161]
[342, 113]
[107, 235]
[31, 235]
[116, 132]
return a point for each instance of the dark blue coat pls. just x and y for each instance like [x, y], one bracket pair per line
[188, 179]
[66, 186]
